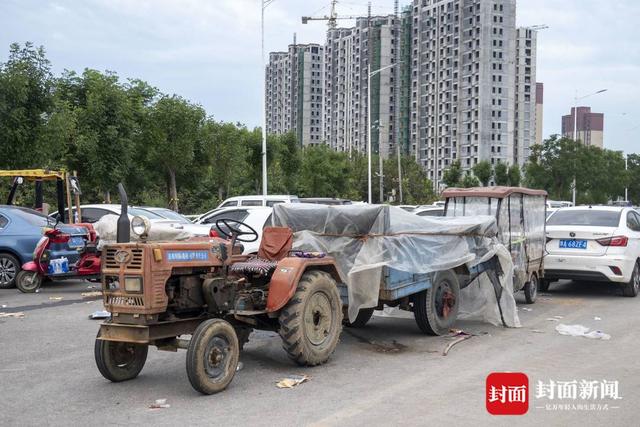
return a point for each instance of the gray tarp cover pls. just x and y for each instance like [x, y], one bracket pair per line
[365, 238]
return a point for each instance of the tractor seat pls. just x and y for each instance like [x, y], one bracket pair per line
[275, 244]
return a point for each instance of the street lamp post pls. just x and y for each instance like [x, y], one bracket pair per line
[370, 75]
[265, 4]
[575, 130]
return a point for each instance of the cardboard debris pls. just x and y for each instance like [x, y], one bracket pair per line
[292, 381]
[18, 315]
[160, 404]
[92, 294]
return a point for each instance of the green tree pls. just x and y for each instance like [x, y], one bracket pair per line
[323, 172]
[452, 175]
[26, 102]
[514, 176]
[482, 171]
[173, 139]
[289, 161]
[634, 178]
[470, 180]
[501, 174]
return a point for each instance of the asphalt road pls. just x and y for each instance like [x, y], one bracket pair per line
[386, 373]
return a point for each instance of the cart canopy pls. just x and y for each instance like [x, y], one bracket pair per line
[364, 239]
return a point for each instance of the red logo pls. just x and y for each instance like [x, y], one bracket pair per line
[507, 393]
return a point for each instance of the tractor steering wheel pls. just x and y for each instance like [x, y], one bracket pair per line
[236, 231]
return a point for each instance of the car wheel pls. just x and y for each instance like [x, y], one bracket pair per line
[9, 269]
[631, 289]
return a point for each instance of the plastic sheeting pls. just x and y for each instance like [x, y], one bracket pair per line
[107, 227]
[364, 239]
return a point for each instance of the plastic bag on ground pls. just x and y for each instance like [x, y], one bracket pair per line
[581, 331]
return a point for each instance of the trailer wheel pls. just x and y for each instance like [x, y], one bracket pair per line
[311, 322]
[364, 315]
[543, 286]
[119, 361]
[436, 309]
[28, 281]
[212, 356]
[531, 289]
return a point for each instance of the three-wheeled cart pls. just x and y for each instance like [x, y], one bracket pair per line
[520, 214]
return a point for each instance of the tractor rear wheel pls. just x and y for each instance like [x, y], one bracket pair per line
[212, 356]
[436, 308]
[311, 322]
[119, 361]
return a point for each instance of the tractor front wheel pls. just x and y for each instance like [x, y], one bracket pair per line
[311, 322]
[119, 361]
[212, 356]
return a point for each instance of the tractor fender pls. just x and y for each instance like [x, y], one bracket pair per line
[287, 275]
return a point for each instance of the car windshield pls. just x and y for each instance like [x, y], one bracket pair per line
[169, 214]
[594, 218]
[143, 212]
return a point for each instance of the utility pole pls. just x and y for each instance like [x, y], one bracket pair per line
[265, 4]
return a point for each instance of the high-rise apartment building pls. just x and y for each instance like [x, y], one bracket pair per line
[457, 83]
[350, 54]
[590, 126]
[524, 133]
[463, 84]
[294, 92]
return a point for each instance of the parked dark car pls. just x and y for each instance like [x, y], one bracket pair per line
[20, 231]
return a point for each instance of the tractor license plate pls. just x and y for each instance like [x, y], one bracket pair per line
[573, 244]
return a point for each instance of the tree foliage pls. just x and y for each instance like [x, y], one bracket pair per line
[452, 176]
[501, 174]
[599, 174]
[482, 171]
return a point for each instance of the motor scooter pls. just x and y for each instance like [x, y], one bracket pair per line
[63, 252]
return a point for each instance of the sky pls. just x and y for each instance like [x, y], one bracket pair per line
[208, 51]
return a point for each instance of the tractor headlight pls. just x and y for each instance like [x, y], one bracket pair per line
[140, 226]
[133, 284]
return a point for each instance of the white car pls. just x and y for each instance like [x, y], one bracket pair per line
[429, 211]
[270, 200]
[599, 243]
[93, 213]
[255, 217]
[178, 220]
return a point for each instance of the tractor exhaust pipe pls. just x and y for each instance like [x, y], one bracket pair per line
[124, 225]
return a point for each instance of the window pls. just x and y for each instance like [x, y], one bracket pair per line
[3, 222]
[270, 203]
[236, 215]
[92, 215]
[633, 221]
[594, 218]
[231, 203]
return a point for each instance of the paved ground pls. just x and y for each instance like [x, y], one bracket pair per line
[387, 373]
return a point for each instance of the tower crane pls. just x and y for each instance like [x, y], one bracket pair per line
[331, 18]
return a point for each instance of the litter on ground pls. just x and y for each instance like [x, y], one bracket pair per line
[292, 381]
[18, 315]
[537, 331]
[581, 331]
[92, 294]
[100, 314]
[527, 309]
[597, 318]
[160, 404]
[55, 298]
[552, 319]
